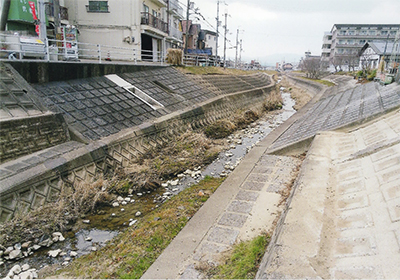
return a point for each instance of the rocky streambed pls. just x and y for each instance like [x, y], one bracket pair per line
[25, 260]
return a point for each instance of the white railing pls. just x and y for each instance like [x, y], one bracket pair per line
[199, 60]
[14, 47]
[17, 47]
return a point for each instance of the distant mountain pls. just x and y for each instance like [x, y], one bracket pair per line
[272, 59]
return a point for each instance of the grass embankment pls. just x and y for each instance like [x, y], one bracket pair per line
[132, 252]
[324, 82]
[211, 70]
[242, 262]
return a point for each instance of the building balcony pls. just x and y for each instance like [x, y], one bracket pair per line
[358, 36]
[326, 50]
[160, 3]
[175, 34]
[49, 10]
[349, 45]
[175, 9]
[154, 22]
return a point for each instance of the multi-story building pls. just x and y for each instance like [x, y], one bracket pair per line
[345, 40]
[175, 16]
[210, 40]
[142, 24]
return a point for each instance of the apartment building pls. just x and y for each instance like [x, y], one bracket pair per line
[210, 40]
[141, 25]
[175, 16]
[345, 40]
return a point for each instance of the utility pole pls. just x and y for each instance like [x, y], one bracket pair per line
[226, 31]
[240, 53]
[187, 26]
[237, 47]
[42, 21]
[216, 46]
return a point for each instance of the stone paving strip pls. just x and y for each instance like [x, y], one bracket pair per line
[252, 210]
[344, 219]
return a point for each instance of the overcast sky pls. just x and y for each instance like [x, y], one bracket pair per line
[273, 30]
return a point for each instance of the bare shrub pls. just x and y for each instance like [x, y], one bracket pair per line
[220, 129]
[55, 216]
[274, 101]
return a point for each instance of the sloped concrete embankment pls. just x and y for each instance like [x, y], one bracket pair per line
[35, 179]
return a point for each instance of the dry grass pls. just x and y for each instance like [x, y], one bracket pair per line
[56, 216]
[274, 101]
[133, 251]
[174, 56]
[210, 70]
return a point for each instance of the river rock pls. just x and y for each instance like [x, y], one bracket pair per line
[73, 254]
[86, 221]
[67, 259]
[33, 273]
[36, 247]
[174, 183]
[138, 213]
[88, 238]
[16, 269]
[8, 250]
[93, 249]
[124, 203]
[59, 236]
[25, 245]
[18, 246]
[120, 199]
[127, 199]
[132, 223]
[54, 253]
[122, 210]
[25, 267]
[113, 215]
[1, 253]
[115, 204]
[46, 243]
[14, 254]
[164, 185]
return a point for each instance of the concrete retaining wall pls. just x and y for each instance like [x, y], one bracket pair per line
[24, 136]
[44, 72]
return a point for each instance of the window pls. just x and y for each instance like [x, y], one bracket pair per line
[372, 32]
[97, 7]
[384, 33]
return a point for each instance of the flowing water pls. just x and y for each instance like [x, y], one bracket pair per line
[109, 221]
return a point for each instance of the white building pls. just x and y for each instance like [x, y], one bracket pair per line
[372, 54]
[210, 40]
[346, 40]
[141, 25]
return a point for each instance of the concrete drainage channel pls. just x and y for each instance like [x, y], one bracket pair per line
[97, 230]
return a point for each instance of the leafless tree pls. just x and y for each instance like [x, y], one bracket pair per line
[351, 61]
[337, 62]
[312, 67]
[365, 62]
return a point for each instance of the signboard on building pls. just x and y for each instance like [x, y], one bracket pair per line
[20, 10]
